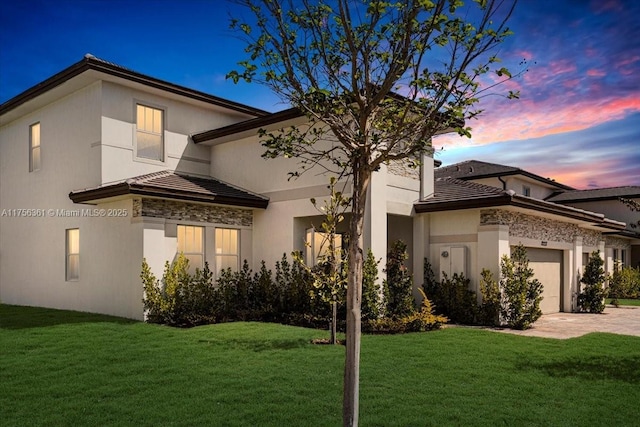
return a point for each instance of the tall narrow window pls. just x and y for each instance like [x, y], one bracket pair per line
[526, 191]
[73, 254]
[227, 249]
[34, 147]
[318, 247]
[191, 244]
[149, 130]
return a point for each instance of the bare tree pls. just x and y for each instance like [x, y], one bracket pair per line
[376, 79]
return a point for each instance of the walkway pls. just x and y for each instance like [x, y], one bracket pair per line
[624, 320]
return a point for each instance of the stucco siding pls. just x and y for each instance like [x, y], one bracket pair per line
[69, 127]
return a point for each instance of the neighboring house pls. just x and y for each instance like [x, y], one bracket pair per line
[614, 203]
[102, 167]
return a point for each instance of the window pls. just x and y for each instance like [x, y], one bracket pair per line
[526, 191]
[190, 244]
[318, 246]
[73, 254]
[34, 147]
[149, 130]
[227, 249]
[619, 257]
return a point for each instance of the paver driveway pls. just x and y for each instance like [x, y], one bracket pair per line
[624, 320]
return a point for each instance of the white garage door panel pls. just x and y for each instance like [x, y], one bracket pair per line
[547, 268]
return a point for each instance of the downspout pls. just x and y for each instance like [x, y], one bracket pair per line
[504, 183]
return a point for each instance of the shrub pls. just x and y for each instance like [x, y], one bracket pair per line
[591, 298]
[453, 298]
[624, 283]
[430, 283]
[421, 321]
[489, 310]
[398, 287]
[370, 288]
[179, 299]
[521, 292]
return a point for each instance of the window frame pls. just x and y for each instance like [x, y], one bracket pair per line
[219, 246]
[33, 147]
[526, 190]
[191, 253]
[311, 248]
[69, 277]
[138, 131]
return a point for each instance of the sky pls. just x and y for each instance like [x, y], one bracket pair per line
[577, 120]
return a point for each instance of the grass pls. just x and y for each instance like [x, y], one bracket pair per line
[621, 301]
[67, 368]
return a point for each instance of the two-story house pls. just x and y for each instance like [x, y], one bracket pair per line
[102, 167]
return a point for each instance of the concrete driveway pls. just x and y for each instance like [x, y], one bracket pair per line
[624, 320]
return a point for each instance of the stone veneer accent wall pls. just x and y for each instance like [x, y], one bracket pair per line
[183, 211]
[617, 243]
[402, 168]
[533, 227]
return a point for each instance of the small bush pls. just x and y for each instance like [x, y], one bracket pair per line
[591, 298]
[489, 310]
[398, 287]
[453, 298]
[624, 283]
[521, 292]
[370, 288]
[179, 299]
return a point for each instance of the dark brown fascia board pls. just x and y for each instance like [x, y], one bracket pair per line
[517, 201]
[257, 123]
[484, 202]
[92, 63]
[598, 199]
[123, 189]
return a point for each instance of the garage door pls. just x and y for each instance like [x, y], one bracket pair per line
[547, 268]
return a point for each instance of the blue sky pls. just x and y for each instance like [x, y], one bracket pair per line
[578, 119]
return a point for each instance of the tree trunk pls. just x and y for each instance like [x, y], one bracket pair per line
[350, 403]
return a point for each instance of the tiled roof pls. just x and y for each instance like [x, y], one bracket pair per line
[172, 185]
[453, 190]
[596, 194]
[475, 169]
[453, 194]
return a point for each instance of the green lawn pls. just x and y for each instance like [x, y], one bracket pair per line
[64, 368]
[621, 301]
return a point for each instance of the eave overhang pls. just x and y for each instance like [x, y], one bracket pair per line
[508, 198]
[90, 62]
[132, 188]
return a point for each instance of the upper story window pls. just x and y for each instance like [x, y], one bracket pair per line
[149, 133]
[526, 191]
[34, 147]
[191, 245]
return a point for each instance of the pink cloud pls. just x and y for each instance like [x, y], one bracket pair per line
[561, 67]
[596, 73]
[525, 119]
